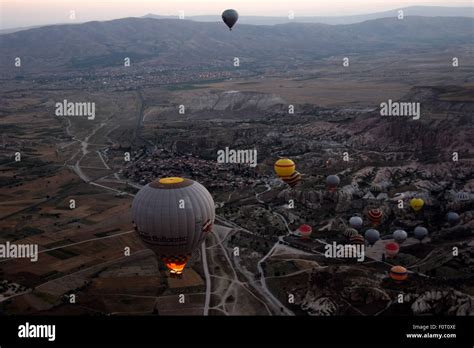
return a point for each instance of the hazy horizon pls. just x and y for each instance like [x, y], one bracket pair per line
[24, 13]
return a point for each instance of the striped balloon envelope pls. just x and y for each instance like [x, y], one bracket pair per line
[375, 216]
[357, 239]
[284, 167]
[398, 273]
[350, 232]
[173, 216]
[293, 179]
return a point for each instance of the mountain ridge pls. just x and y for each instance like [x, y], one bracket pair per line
[173, 42]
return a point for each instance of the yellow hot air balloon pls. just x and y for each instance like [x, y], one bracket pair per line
[417, 204]
[284, 167]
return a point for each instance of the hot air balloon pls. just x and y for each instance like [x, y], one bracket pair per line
[372, 236]
[462, 196]
[293, 179]
[453, 218]
[284, 167]
[173, 217]
[420, 233]
[398, 273]
[356, 222]
[230, 17]
[391, 249]
[375, 216]
[332, 181]
[350, 232]
[357, 239]
[286, 170]
[417, 204]
[305, 231]
[400, 236]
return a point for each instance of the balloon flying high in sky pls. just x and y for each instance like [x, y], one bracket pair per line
[230, 17]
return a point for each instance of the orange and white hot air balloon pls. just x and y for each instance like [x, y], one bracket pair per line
[398, 273]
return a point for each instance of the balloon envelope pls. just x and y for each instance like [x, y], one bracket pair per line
[293, 179]
[356, 222]
[284, 167]
[305, 231]
[357, 239]
[398, 273]
[173, 217]
[391, 249]
[372, 236]
[230, 17]
[399, 236]
[417, 204]
[420, 233]
[375, 216]
[350, 232]
[332, 181]
[453, 218]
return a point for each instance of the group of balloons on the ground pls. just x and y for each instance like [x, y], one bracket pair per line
[174, 215]
[285, 168]
[371, 236]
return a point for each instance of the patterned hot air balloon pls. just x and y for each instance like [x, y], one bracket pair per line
[293, 179]
[305, 231]
[375, 216]
[391, 249]
[350, 232]
[416, 204]
[173, 217]
[286, 170]
[284, 167]
[398, 273]
[357, 239]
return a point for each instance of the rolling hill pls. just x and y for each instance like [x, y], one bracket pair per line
[179, 43]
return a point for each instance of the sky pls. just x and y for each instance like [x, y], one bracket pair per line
[23, 13]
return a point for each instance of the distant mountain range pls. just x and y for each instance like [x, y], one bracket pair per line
[425, 11]
[180, 43]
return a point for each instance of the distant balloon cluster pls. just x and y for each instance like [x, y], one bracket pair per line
[285, 169]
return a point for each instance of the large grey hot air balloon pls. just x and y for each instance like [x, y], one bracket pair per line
[173, 217]
[399, 236]
[420, 233]
[230, 17]
[356, 222]
[372, 236]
